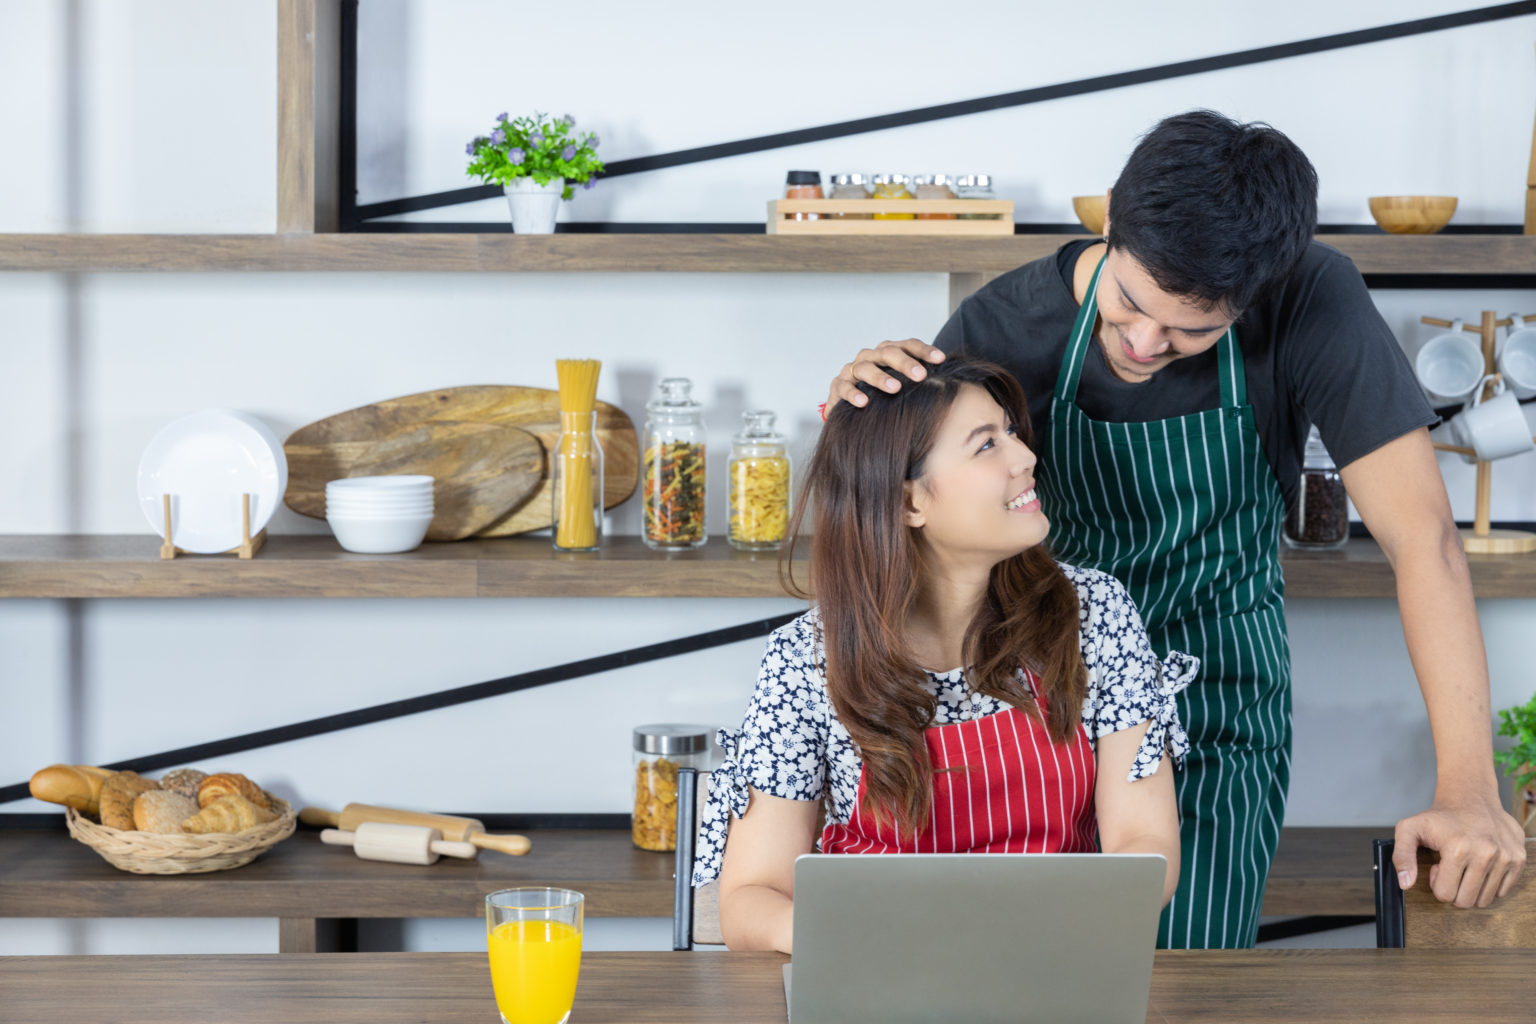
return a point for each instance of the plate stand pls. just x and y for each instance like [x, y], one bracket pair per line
[247, 547]
[1482, 540]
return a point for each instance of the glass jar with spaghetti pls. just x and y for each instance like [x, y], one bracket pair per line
[672, 480]
[759, 496]
[660, 750]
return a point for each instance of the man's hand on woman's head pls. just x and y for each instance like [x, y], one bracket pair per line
[906, 357]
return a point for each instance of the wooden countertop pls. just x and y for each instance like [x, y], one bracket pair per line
[111, 566]
[1347, 986]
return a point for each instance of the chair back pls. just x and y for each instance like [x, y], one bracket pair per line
[695, 912]
[1417, 920]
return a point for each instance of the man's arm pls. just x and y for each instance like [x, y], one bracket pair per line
[1401, 498]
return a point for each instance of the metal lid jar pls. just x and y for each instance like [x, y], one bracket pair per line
[659, 751]
[672, 469]
[759, 484]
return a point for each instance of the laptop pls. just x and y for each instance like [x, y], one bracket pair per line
[976, 937]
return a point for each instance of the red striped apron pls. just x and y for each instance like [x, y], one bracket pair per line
[1014, 792]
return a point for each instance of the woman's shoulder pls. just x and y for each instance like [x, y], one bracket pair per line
[1095, 587]
[800, 637]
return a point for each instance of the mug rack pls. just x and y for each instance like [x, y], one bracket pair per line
[247, 547]
[1482, 539]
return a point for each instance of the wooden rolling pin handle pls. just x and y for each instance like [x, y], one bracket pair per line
[449, 848]
[336, 837]
[515, 846]
[320, 816]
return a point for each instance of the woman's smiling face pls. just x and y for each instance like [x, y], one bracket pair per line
[975, 500]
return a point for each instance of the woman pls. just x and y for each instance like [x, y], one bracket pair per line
[954, 687]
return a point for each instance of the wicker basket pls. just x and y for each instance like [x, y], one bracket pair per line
[158, 853]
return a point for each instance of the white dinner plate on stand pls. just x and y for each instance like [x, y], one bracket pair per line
[205, 462]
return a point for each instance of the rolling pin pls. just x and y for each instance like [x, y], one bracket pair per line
[403, 844]
[466, 830]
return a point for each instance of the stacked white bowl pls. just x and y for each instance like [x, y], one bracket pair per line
[379, 514]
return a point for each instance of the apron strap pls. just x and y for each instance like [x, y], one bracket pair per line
[1077, 343]
[1229, 357]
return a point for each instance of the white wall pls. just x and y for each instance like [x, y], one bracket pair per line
[177, 103]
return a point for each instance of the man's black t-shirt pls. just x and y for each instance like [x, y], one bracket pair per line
[1315, 351]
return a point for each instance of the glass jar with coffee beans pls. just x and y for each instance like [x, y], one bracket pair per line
[1319, 518]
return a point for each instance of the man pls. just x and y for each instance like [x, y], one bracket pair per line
[1173, 370]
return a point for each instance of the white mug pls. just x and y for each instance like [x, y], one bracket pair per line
[1495, 429]
[1517, 360]
[1450, 367]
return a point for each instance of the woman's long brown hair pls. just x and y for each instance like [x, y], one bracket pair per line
[866, 564]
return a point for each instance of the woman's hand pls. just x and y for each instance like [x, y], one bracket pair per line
[757, 873]
[905, 357]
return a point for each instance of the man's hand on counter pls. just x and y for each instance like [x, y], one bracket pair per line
[1482, 850]
[906, 357]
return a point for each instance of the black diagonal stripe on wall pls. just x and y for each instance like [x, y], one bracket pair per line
[440, 699]
[900, 119]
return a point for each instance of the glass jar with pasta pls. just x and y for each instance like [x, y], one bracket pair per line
[660, 750]
[759, 485]
[672, 474]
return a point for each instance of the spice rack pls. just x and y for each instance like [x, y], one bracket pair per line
[984, 217]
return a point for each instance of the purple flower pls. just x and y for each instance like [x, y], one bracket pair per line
[498, 137]
[536, 140]
[592, 141]
[568, 153]
[570, 122]
[516, 157]
[589, 183]
[470, 149]
[501, 117]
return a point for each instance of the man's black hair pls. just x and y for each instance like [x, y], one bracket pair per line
[1214, 209]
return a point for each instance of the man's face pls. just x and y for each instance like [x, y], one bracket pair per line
[1145, 328]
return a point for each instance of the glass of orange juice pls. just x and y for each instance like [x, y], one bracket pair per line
[534, 939]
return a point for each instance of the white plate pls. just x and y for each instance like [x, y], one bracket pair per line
[205, 461]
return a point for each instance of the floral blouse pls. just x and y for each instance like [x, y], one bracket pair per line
[792, 745]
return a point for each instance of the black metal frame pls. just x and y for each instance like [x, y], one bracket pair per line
[355, 218]
[1389, 897]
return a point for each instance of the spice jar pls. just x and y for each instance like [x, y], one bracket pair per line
[974, 186]
[660, 750]
[891, 186]
[933, 186]
[803, 185]
[672, 485]
[759, 474]
[1320, 517]
[850, 186]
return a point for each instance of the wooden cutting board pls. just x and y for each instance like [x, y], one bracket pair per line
[480, 471]
[534, 410]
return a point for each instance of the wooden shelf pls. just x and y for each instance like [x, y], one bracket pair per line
[1447, 255]
[97, 566]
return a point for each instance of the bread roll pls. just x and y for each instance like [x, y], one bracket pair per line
[184, 781]
[231, 784]
[73, 785]
[117, 796]
[162, 810]
[232, 813]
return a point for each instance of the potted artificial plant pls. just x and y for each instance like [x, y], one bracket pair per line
[536, 160]
[1519, 723]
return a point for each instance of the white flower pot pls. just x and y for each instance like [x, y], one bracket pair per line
[534, 206]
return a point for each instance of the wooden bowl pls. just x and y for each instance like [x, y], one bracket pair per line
[1412, 215]
[1090, 212]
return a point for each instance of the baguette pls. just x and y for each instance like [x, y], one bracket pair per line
[73, 785]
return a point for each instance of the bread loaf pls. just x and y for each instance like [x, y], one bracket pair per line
[117, 796]
[73, 785]
[162, 810]
[231, 784]
[184, 781]
[231, 813]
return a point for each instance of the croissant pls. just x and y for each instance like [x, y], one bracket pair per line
[227, 814]
[231, 784]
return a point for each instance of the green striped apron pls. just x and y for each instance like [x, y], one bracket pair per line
[1186, 513]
